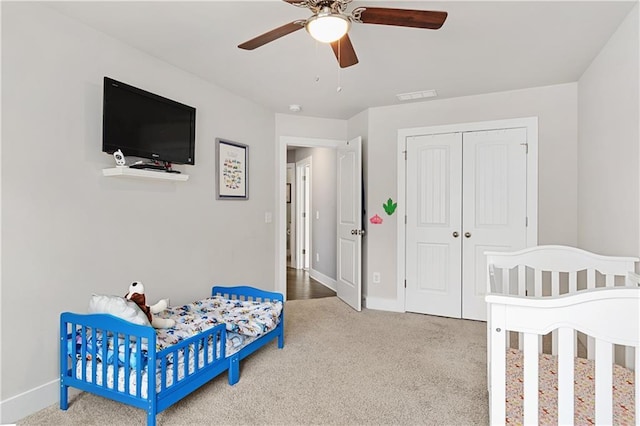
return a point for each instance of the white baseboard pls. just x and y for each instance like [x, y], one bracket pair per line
[323, 279]
[380, 304]
[24, 404]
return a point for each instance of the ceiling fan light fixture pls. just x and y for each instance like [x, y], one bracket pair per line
[327, 27]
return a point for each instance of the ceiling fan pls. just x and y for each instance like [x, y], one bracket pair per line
[330, 24]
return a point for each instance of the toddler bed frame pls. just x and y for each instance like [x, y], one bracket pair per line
[574, 298]
[205, 351]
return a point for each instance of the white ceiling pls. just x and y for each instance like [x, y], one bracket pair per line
[483, 47]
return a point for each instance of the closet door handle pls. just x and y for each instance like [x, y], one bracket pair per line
[455, 234]
[467, 234]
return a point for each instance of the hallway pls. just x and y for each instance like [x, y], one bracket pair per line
[301, 286]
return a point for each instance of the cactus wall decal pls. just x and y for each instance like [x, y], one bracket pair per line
[390, 206]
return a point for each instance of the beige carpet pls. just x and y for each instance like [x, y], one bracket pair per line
[338, 367]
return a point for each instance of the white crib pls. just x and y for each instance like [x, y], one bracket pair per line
[560, 314]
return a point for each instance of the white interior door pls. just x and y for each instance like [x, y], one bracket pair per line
[349, 221]
[494, 205]
[433, 229]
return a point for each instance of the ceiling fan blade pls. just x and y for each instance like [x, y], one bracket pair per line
[429, 19]
[272, 35]
[344, 51]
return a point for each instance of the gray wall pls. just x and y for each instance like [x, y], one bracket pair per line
[69, 232]
[556, 109]
[609, 148]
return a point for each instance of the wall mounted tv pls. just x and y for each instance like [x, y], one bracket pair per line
[143, 124]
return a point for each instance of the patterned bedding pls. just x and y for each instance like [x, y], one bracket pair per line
[245, 322]
[243, 319]
[623, 393]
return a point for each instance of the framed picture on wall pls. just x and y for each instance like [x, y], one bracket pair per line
[232, 170]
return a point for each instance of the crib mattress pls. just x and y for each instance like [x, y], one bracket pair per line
[584, 376]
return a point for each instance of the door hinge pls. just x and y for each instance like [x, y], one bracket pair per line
[526, 147]
[405, 155]
[304, 214]
[405, 219]
[304, 251]
[526, 221]
[405, 283]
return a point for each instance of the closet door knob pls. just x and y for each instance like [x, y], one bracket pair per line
[455, 234]
[467, 234]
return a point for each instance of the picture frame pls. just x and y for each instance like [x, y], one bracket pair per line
[288, 193]
[232, 170]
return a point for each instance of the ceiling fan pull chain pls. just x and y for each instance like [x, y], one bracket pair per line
[339, 88]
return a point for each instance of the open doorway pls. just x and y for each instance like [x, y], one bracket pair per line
[303, 210]
[310, 221]
[290, 208]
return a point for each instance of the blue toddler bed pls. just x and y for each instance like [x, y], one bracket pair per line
[108, 356]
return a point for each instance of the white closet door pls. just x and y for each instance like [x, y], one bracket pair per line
[433, 234]
[494, 206]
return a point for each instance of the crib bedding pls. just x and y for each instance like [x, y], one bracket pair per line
[623, 391]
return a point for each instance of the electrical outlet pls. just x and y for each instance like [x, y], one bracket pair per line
[376, 277]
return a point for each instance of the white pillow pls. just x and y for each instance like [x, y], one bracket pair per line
[119, 307]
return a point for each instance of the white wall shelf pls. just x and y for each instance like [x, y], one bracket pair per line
[144, 174]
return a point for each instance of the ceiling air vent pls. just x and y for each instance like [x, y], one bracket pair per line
[417, 95]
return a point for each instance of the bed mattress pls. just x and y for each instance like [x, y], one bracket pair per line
[584, 391]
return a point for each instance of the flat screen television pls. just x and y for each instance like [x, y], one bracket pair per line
[146, 125]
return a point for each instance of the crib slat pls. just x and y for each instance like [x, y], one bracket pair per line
[604, 383]
[637, 370]
[610, 280]
[573, 282]
[530, 379]
[522, 280]
[629, 361]
[506, 285]
[498, 371]
[566, 339]
[537, 279]
[555, 283]
[591, 278]
[591, 347]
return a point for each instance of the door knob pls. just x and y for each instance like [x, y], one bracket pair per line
[455, 234]
[467, 234]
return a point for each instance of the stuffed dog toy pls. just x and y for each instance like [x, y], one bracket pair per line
[136, 294]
